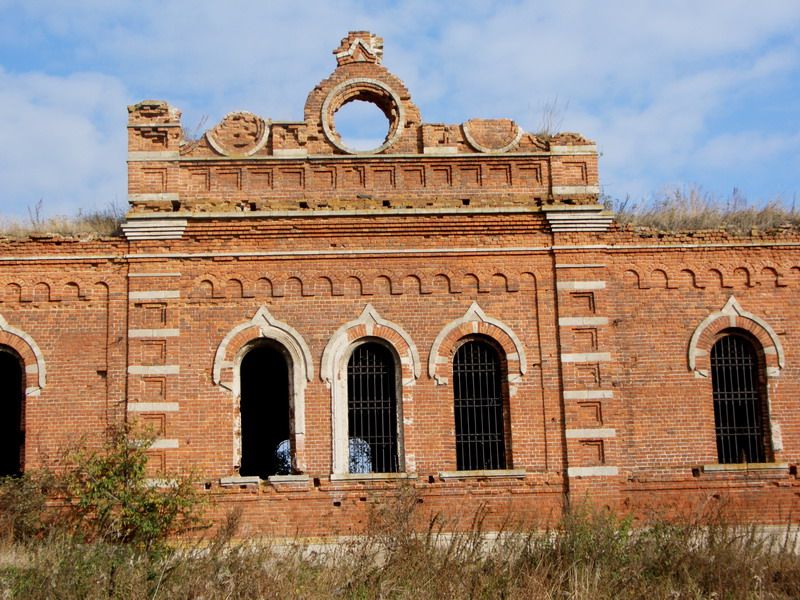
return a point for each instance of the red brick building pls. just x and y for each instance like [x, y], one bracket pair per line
[308, 327]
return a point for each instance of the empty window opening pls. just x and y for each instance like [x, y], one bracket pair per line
[12, 430]
[478, 392]
[372, 410]
[265, 413]
[361, 125]
[739, 410]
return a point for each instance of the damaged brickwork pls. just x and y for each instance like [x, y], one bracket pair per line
[273, 234]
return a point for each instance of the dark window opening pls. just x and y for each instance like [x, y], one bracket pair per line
[372, 410]
[738, 406]
[265, 414]
[12, 430]
[478, 392]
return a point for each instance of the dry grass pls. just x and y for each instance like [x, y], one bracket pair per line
[680, 210]
[589, 555]
[693, 210]
[92, 224]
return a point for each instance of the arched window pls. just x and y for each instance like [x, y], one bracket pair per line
[479, 418]
[739, 409]
[372, 410]
[265, 414]
[12, 430]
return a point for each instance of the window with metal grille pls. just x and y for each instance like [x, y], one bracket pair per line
[372, 410]
[266, 449]
[478, 392]
[738, 405]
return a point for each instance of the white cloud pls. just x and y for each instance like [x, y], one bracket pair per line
[743, 150]
[62, 141]
[650, 81]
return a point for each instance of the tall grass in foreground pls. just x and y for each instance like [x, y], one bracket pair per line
[112, 535]
[692, 209]
[589, 555]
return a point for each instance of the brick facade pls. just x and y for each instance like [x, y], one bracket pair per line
[278, 232]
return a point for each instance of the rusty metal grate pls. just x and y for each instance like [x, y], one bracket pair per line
[477, 389]
[372, 410]
[738, 406]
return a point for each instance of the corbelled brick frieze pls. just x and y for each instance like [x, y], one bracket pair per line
[249, 163]
[308, 328]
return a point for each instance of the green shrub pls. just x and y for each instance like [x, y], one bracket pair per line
[590, 554]
[100, 495]
[110, 498]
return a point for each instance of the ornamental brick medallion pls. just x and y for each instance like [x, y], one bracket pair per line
[367, 90]
[239, 134]
[492, 136]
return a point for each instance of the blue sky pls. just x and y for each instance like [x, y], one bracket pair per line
[675, 93]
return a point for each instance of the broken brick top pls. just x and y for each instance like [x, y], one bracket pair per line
[248, 162]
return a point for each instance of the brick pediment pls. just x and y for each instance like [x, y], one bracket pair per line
[249, 163]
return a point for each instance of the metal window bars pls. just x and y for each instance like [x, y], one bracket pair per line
[478, 396]
[738, 405]
[372, 410]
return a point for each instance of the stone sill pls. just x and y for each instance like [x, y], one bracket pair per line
[282, 479]
[744, 467]
[371, 476]
[509, 473]
[239, 480]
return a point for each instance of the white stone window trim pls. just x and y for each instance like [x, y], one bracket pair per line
[476, 315]
[333, 372]
[731, 310]
[301, 369]
[39, 369]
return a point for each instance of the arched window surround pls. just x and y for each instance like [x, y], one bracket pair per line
[732, 318]
[30, 353]
[369, 327]
[476, 322]
[227, 374]
[34, 369]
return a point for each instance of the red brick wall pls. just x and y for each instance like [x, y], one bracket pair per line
[450, 231]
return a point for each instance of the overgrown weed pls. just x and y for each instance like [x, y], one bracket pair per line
[104, 222]
[591, 553]
[692, 209]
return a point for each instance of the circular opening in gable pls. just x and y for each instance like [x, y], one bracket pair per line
[361, 125]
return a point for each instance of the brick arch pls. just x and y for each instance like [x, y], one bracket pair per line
[659, 278]
[31, 354]
[474, 322]
[769, 275]
[368, 326]
[70, 289]
[733, 315]
[217, 287]
[228, 358]
[631, 278]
